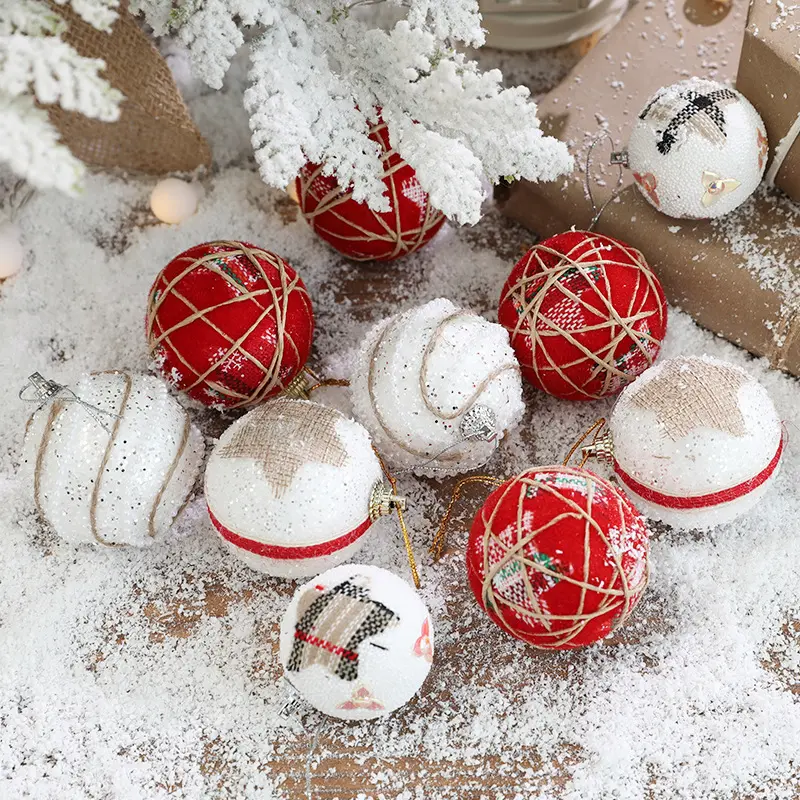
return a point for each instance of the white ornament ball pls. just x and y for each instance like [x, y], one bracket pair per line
[292, 487]
[11, 251]
[116, 465]
[698, 149]
[356, 642]
[437, 387]
[696, 442]
[173, 200]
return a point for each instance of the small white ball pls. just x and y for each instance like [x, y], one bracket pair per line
[437, 387]
[356, 642]
[112, 478]
[697, 442]
[698, 149]
[173, 200]
[289, 487]
[11, 251]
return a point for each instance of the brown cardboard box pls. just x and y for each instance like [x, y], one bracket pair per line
[738, 276]
[769, 77]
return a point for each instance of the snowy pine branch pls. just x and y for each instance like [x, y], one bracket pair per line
[321, 71]
[35, 63]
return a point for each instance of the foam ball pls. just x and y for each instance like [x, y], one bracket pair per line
[230, 324]
[585, 314]
[437, 387]
[12, 252]
[696, 442]
[558, 557]
[293, 487]
[356, 642]
[698, 149]
[112, 461]
[173, 200]
[355, 230]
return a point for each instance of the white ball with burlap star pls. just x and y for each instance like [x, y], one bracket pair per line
[356, 642]
[696, 442]
[698, 149]
[293, 487]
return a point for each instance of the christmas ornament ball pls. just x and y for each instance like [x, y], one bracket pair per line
[585, 314]
[437, 387]
[292, 487]
[698, 149]
[112, 461]
[696, 442]
[558, 557]
[12, 253]
[228, 323]
[356, 642]
[173, 200]
[353, 228]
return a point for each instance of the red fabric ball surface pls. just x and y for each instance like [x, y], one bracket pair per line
[353, 228]
[557, 557]
[585, 314]
[229, 323]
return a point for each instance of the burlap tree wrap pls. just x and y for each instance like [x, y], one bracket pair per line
[154, 133]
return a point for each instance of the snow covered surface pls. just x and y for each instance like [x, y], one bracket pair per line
[152, 673]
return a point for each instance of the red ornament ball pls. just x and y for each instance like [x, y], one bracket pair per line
[585, 313]
[557, 557]
[355, 230]
[228, 323]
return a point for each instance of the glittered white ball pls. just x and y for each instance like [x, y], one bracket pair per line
[356, 642]
[697, 442]
[698, 149]
[437, 387]
[112, 478]
[289, 487]
[11, 251]
[173, 200]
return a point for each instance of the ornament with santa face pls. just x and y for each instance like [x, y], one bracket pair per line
[356, 642]
[293, 487]
[696, 442]
[698, 149]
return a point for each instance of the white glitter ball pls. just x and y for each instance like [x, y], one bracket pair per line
[426, 379]
[108, 479]
[698, 149]
[356, 642]
[11, 251]
[690, 428]
[173, 200]
[289, 485]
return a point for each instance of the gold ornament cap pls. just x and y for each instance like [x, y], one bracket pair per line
[383, 502]
[602, 449]
[298, 388]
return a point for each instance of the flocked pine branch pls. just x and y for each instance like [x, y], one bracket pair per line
[37, 64]
[322, 71]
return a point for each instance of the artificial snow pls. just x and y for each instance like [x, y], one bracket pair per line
[129, 674]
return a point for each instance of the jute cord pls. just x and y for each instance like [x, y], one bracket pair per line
[622, 324]
[276, 309]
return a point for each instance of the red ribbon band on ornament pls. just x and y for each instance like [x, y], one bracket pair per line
[701, 500]
[279, 552]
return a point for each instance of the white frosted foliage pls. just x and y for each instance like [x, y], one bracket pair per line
[692, 427]
[422, 377]
[356, 642]
[288, 487]
[115, 478]
[698, 149]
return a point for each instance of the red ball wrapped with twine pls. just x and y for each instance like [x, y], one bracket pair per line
[558, 557]
[585, 314]
[353, 228]
[230, 324]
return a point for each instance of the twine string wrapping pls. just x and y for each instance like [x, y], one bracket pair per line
[618, 596]
[623, 323]
[412, 561]
[274, 308]
[440, 537]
